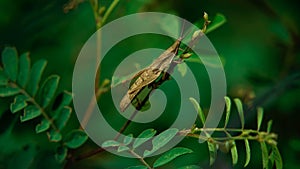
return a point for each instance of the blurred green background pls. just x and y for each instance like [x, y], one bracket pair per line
[259, 44]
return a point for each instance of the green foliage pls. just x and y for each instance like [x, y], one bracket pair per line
[275, 156]
[234, 153]
[36, 101]
[229, 142]
[260, 114]
[137, 167]
[161, 140]
[251, 53]
[158, 142]
[240, 110]
[61, 153]
[212, 148]
[75, 139]
[248, 152]
[218, 21]
[110, 143]
[190, 167]
[143, 137]
[228, 108]
[170, 155]
[199, 110]
[265, 156]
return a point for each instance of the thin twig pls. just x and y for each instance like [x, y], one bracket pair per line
[140, 158]
[89, 154]
[126, 124]
[109, 10]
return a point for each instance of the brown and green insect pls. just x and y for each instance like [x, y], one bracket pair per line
[150, 74]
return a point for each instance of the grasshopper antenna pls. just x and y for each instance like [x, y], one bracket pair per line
[181, 36]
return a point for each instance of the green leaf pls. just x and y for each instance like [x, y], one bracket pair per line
[143, 137]
[75, 139]
[48, 90]
[146, 106]
[228, 108]
[30, 112]
[161, 140]
[62, 100]
[260, 114]
[265, 156]
[19, 103]
[3, 78]
[198, 109]
[35, 76]
[137, 167]
[182, 69]
[269, 126]
[43, 126]
[218, 21]
[171, 155]
[54, 136]
[122, 148]
[110, 143]
[8, 91]
[10, 62]
[62, 117]
[128, 139]
[275, 155]
[210, 60]
[240, 110]
[24, 69]
[234, 153]
[248, 152]
[190, 167]
[212, 148]
[226, 146]
[61, 154]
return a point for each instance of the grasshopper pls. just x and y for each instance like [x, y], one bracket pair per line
[151, 73]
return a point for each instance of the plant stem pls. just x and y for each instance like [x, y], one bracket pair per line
[32, 100]
[140, 158]
[126, 124]
[89, 154]
[256, 135]
[109, 10]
